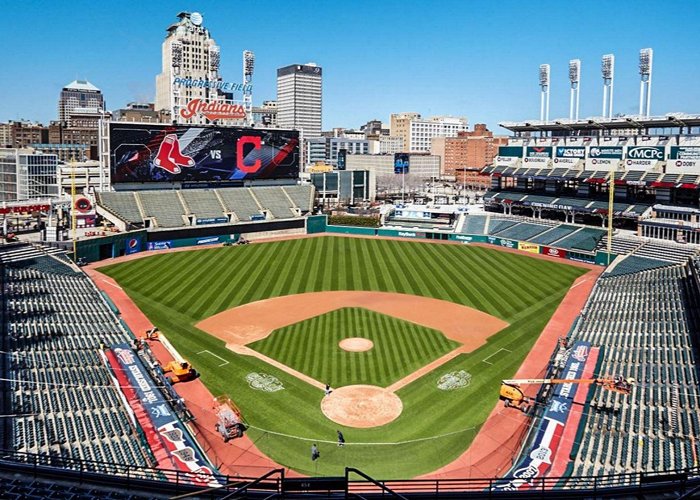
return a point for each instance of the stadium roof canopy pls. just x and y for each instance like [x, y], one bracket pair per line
[596, 124]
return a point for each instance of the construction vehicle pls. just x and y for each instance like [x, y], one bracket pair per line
[513, 397]
[230, 423]
[180, 371]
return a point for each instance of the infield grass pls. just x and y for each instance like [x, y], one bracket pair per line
[311, 347]
[176, 290]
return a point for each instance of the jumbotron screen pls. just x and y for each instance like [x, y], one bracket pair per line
[184, 153]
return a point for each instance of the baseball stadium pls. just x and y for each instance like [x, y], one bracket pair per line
[268, 352]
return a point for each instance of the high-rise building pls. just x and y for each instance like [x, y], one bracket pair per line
[417, 132]
[265, 115]
[26, 174]
[190, 87]
[470, 149]
[299, 98]
[78, 100]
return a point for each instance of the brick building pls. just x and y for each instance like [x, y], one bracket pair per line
[463, 156]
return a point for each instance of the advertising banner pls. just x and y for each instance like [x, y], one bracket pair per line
[502, 242]
[528, 247]
[538, 152]
[510, 151]
[159, 245]
[132, 245]
[684, 159]
[539, 459]
[401, 163]
[656, 153]
[605, 152]
[685, 153]
[170, 153]
[554, 252]
[212, 220]
[578, 152]
[173, 434]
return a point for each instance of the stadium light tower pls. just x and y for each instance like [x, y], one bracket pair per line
[575, 80]
[544, 93]
[608, 69]
[646, 59]
[248, 66]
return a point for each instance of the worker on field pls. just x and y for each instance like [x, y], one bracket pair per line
[328, 390]
[341, 439]
[315, 454]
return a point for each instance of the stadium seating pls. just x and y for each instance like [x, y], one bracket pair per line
[302, 196]
[164, 206]
[669, 251]
[474, 224]
[276, 201]
[202, 203]
[522, 231]
[585, 239]
[241, 202]
[551, 236]
[633, 264]
[497, 225]
[645, 325]
[122, 205]
[56, 321]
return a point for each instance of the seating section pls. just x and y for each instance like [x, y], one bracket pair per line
[645, 323]
[241, 202]
[668, 251]
[276, 201]
[69, 409]
[302, 196]
[497, 225]
[522, 231]
[474, 224]
[553, 235]
[620, 246]
[16, 488]
[164, 206]
[121, 204]
[633, 264]
[202, 203]
[585, 239]
[16, 252]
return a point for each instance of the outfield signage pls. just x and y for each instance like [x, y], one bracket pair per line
[528, 247]
[685, 153]
[684, 159]
[502, 242]
[132, 245]
[159, 245]
[172, 433]
[212, 220]
[554, 252]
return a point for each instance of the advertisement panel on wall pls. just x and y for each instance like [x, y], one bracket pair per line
[684, 159]
[538, 156]
[528, 247]
[553, 252]
[510, 151]
[170, 153]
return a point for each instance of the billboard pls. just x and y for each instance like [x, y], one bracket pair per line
[606, 152]
[685, 159]
[401, 163]
[510, 151]
[182, 153]
[578, 152]
[538, 152]
[528, 247]
[645, 152]
[685, 153]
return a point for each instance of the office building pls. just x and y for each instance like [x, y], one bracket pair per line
[265, 116]
[417, 132]
[26, 174]
[470, 149]
[141, 112]
[80, 100]
[299, 98]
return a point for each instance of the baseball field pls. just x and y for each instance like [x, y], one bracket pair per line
[446, 384]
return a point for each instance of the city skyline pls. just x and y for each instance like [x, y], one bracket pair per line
[463, 60]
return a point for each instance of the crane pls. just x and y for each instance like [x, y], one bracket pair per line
[512, 395]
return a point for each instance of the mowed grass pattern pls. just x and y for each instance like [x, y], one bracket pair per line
[176, 290]
[311, 347]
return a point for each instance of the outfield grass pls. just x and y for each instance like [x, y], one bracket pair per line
[311, 347]
[177, 290]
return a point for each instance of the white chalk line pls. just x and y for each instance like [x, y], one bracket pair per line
[222, 359]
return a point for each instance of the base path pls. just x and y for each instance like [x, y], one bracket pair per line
[254, 321]
[494, 448]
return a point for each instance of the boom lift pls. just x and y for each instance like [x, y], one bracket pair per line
[512, 395]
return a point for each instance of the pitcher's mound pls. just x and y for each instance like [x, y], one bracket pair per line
[362, 406]
[356, 344]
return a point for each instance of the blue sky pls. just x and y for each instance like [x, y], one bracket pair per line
[475, 59]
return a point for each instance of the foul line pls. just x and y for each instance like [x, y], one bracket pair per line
[492, 355]
[222, 359]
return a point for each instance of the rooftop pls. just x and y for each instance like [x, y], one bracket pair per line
[82, 85]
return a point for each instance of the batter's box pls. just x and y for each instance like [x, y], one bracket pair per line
[485, 360]
[209, 352]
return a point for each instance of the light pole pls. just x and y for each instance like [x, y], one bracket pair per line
[575, 80]
[646, 59]
[544, 93]
[608, 71]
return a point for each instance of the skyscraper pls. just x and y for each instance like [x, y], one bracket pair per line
[299, 98]
[80, 97]
[190, 81]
